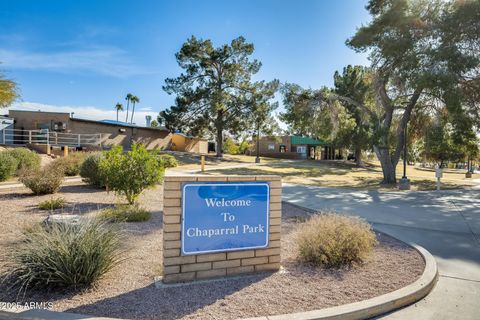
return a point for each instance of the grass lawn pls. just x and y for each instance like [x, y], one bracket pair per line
[343, 174]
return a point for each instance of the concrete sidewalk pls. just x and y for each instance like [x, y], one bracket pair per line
[447, 223]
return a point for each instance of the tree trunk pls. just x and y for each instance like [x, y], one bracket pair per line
[388, 167]
[358, 157]
[219, 127]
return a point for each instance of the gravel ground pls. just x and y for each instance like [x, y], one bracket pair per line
[129, 291]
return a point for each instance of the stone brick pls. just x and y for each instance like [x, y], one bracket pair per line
[171, 202]
[211, 273]
[171, 270]
[241, 178]
[178, 260]
[273, 259]
[172, 194]
[253, 261]
[275, 221]
[267, 252]
[172, 211]
[275, 205]
[275, 213]
[171, 185]
[180, 178]
[274, 244]
[240, 254]
[268, 178]
[239, 270]
[275, 184]
[171, 253]
[267, 267]
[172, 227]
[171, 236]
[275, 192]
[212, 257]
[171, 219]
[274, 229]
[178, 277]
[172, 244]
[226, 264]
[212, 178]
[275, 200]
[275, 236]
[196, 267]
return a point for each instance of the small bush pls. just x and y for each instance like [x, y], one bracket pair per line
[125, 213]
[90, 170]
[168, 161]
[42, 181]
[52, 204]
[8, 165]
[69, 255]
[26, 159]
[70, 165]
[129, 174]
[333, 240]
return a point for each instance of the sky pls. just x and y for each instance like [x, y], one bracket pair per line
[85, 56]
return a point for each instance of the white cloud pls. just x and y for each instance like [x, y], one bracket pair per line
[108, 61]
[85, 112]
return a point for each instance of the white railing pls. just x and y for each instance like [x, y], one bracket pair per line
[44, 136]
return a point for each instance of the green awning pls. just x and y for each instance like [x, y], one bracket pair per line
[307, 141]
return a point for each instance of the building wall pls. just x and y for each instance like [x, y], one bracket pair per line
[188, 144]
[266, 150]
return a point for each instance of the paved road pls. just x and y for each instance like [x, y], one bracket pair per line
[447, 223]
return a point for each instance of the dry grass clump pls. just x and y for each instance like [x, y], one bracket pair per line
[125, 213]
[42, 181]
[332, 240]
[52, 204]
[69, 255]
[70, 165]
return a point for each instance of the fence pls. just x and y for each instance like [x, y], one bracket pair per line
[44, 136]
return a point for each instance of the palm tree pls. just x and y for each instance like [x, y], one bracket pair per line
[118, 107]
[128, 98]
[134, 100]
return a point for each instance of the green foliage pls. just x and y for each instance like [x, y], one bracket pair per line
[42, 181]
[168, 161]
[333, 240]
[8, 165]
[8, 92]
[90, 170]
[215, 91]
[129, 174]
[70, 165]
[244, 146]
[230, 147]
[125, 213]
[65, 255]
[154, 124]
[26, 159]
[52, 204]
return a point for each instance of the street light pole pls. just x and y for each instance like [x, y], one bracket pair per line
[257, 159]
[404, 182]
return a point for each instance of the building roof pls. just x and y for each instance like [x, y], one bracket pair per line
[119, 123]
[306, 140]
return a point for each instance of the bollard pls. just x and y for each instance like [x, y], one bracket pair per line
[202, 161]
[438, 175]
[65, 151]
[48, 149]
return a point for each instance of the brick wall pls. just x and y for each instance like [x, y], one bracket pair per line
[178, 268]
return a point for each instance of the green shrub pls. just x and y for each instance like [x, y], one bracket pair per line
[90, 170]
[333, 240]
[52, 204]
[26, 159]
[230, 147]
[125, 213]
[168, 161]
[69, 255]
[129, 174]
[42, 181]
[8, 165]
[70, 165]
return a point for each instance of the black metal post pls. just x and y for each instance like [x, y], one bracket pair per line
[405, 153]
[257, 159]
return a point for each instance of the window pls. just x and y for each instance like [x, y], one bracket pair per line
[271, 147]
[301, 149]
[283, 148]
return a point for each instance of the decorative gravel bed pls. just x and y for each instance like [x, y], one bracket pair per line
[129, 290]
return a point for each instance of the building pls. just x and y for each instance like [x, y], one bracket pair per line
[6, 127]
[181, 142]
[295, 147]
[66, 130]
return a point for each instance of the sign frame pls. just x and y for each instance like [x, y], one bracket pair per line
[185, 185]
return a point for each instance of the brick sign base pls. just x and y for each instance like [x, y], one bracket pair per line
[178, 268]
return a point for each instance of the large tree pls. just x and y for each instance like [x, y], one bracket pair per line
[8, 91]
[212, 92]
[420, 50]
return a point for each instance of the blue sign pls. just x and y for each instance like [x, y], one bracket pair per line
[224, 216]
